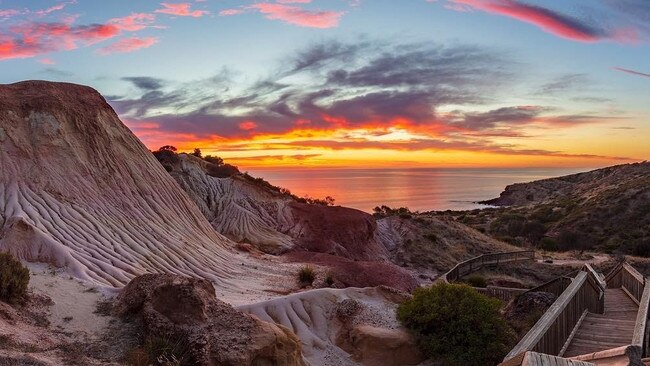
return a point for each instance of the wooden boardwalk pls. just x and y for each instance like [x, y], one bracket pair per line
[612, 329]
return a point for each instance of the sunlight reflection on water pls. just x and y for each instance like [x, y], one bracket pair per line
[419, 188]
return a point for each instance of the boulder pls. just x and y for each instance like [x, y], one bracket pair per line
[187, 311]
[529, 302]
[375, 346]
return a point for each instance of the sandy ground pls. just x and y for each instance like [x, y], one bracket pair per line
[74, 302]
[61, 324]
[574, 258]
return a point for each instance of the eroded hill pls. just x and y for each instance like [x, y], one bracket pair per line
[606, 209]
[80, 191]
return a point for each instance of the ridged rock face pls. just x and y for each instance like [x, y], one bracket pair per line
[78, 189]
[237, 208]
[276, 223]
[323, 316]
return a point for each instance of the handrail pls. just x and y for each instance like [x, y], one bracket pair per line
[474, 264]
[552, 330]
[627, 355]
[629, 279]
[613, 272]
[588, 268]
[586, 294]
[553, 287]
[640, 337]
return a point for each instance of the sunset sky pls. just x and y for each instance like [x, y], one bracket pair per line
[373, 83]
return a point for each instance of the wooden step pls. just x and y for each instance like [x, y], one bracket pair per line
[612, 329]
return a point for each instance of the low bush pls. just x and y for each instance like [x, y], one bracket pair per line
[306, 276]
[457, 325]
[329, 280]
[221, 171]
[14, 279]
[549, 244]
[476, 281]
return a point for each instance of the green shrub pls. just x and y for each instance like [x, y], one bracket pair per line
[476, 281]
[329, 279]
[306, 276]
[455, 324]
[548, 243]
[213, 159]
[14, 279]
[221, 171]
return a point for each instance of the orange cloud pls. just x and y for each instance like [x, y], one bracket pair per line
[248, 125]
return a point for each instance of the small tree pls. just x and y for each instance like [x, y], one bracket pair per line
[168, 148]
[213, 159]
[197, 152]
[14, 279]
[457, 325]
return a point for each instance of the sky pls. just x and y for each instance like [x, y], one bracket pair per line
[355, 83]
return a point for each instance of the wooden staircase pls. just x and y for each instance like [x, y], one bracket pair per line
[595, 321]
[612, 329]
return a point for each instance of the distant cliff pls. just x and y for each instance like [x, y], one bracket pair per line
[606, 209]
[582, 186]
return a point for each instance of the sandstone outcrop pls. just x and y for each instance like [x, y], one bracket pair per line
[213, 332]
[79, 191]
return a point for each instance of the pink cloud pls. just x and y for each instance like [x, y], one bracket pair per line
[133, 22]
[127, 45]
[181, 10]
[32, 39]
[47, 61]
[228, 12]
[7, 13]
[550, 21]
[298, 16]
[52, 9]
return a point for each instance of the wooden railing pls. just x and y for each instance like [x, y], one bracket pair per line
[557, 285]
[640, 337]
[504, 294]
[476, 263]
[628, 278]
[551, 333]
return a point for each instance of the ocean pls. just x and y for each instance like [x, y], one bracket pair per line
[421, 189]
